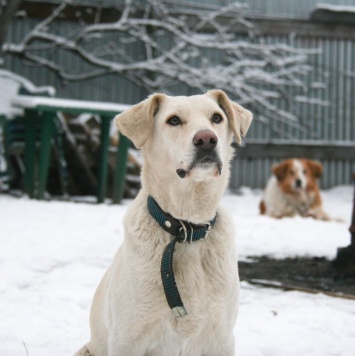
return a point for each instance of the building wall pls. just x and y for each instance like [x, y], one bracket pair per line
[330, 124]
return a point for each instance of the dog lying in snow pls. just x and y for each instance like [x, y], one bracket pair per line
[173, 286]
[293, 190]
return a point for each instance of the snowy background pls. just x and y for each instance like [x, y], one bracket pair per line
[53, 254]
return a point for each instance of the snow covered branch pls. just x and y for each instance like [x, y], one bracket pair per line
[157, 47]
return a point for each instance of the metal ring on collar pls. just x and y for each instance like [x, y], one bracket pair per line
[185, 230]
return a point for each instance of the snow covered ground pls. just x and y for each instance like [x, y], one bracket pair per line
[53, 254]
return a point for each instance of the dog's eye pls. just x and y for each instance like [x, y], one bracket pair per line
[217, 118]
[304, 172]
[174, 121]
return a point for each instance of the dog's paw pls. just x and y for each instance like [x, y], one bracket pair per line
[318, 215]
[83, 352]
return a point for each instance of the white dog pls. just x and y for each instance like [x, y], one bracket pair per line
[173, 286]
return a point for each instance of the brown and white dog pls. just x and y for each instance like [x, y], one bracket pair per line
[293, 190]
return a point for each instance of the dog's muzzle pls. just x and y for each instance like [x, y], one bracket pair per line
[206, 156]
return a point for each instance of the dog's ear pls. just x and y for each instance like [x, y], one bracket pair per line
[239, 118]
[137, 122]
[280, 169]
[315, 167]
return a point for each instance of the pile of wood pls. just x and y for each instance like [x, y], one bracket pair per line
[81, 141]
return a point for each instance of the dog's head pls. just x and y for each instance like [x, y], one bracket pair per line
[189, 135]
[297, 175]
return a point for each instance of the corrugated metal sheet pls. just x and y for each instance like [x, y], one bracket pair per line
[333, 121]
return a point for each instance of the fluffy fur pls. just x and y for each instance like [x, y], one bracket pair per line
[129, 314]
[293, 190]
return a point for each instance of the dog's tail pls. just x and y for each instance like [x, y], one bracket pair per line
[262, 207]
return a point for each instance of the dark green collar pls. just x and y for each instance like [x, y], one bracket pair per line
[182, 231]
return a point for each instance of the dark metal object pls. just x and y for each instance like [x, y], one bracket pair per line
[345, 260]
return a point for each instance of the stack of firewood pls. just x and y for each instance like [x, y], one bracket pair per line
[81, 136]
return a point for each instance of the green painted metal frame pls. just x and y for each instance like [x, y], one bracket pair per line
[47, 135]
[30, 152]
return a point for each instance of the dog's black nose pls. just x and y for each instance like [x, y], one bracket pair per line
[298, 183]
[205, 139]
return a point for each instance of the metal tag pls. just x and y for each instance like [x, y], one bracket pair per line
[179, 311]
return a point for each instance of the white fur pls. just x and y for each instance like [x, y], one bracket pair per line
[130, 315]
[299, 173]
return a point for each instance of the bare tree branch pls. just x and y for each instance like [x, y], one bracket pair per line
[177, 50]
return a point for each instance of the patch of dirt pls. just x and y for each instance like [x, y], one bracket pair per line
[308, 274]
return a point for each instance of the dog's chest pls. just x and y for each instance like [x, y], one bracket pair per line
[300, 203]
[202, 269]
[201, 275]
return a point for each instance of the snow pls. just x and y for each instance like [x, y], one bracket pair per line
[34, 101]
[335, 8]
[10, 83]
[28, 85]
[9, 88]
[53, 255]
